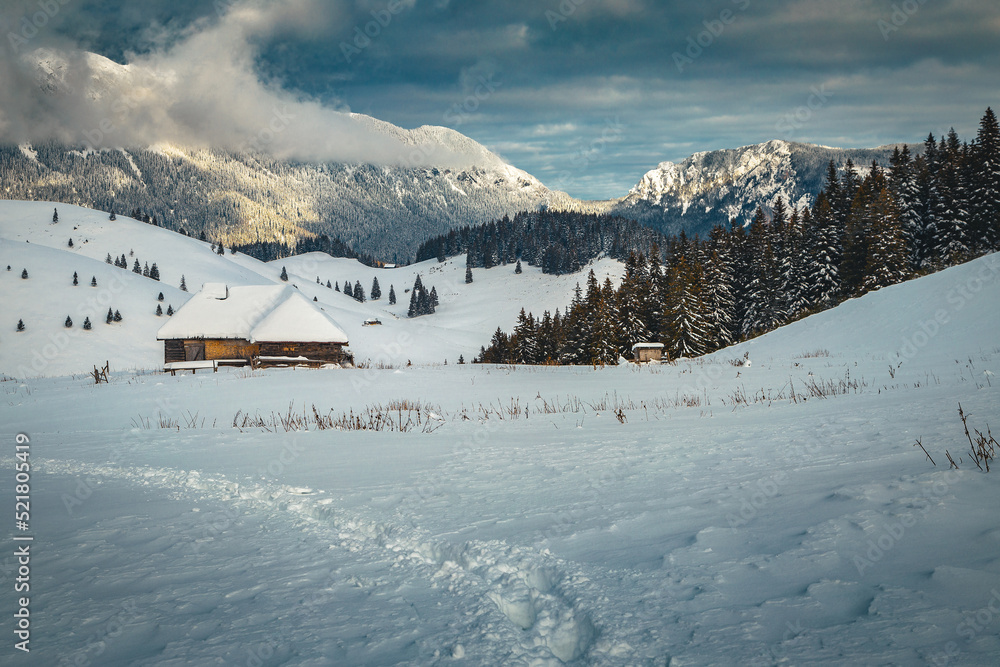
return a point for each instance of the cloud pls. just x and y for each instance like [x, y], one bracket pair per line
[202, 90]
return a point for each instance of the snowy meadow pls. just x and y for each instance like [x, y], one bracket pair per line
[767, 504]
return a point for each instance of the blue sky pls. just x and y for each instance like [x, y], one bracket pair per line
[585, 94]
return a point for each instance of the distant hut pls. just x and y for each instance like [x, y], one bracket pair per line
[646, 352]
[265, 325]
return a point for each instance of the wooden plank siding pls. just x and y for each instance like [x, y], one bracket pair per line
[231, 349]
[329, 352]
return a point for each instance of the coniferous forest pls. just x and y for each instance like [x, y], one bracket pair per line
[915, 216]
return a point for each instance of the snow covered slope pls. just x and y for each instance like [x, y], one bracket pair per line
[702, 513]
[29, 240]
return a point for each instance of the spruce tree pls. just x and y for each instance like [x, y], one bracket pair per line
[184, 287]
[145, 270]
[985, 195]
[112, 217]
[108, 259]
[336, 286]
[110, 318]
[688, 326]
[55, 215]
[468, 275]
[69, 322]
[24, 274]
[76, 280]
[136, 268]
[154, 272]
[221, 250]
[284, 274]
[517, 269]
[433, 298]
[87, 325]
[70, 243]
[392, 295]
[20, 325]
[376, 290]
[159, 297]
[888, 259]
[118, 316]
[93, 281]
[359, 292]
[524, 340]
[170, 310]
[159, 310]
[329, 286]
[461, 359]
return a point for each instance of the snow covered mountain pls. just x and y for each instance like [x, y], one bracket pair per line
[439, 179]
[717, 186]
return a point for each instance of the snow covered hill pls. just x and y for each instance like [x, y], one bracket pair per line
[759, 510]
[29, 240]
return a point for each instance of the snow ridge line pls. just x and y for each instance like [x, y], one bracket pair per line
[532, 590]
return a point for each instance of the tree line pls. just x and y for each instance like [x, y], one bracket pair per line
[863, 232]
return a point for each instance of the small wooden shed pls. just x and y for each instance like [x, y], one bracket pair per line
[267, 325]
[646, 352]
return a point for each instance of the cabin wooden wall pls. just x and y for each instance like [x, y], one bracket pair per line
[648, 354]
[230, 349]
[173, 350]
[329, 352]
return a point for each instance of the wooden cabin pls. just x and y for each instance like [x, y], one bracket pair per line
[258, 325]
[646, 352]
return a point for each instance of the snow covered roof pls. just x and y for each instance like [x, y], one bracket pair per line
[258, 313]
[647, 346]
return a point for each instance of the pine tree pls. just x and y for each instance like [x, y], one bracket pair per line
[136, 268]
[159, 310]
[359, 292]
[392, 295]
[110, 318]
[118, 316]
[159, 297]
[888, 259]
[76, 280]
[87, 325]
[434, 298]
[284, 274]
[985, 195]
[93, 281]
[524, 341]
[517, 269]
[221, 249]
[20, 325]
[154, 272]
[124, 262]
[112, 217]
[24, 274]
[70, 243]
[108, 259]
[184, 287]
[718, 301]
[68, 323]
[329, 286]
[376, 292]
[55, 215]
[336, 286]
[170, 310]
[468, 275]
[461, 359]
[348, 289]
[145, 270]
[688, 326]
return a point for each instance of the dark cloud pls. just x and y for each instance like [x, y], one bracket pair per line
[540, 81]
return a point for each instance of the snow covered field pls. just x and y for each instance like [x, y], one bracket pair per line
[701, 513]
